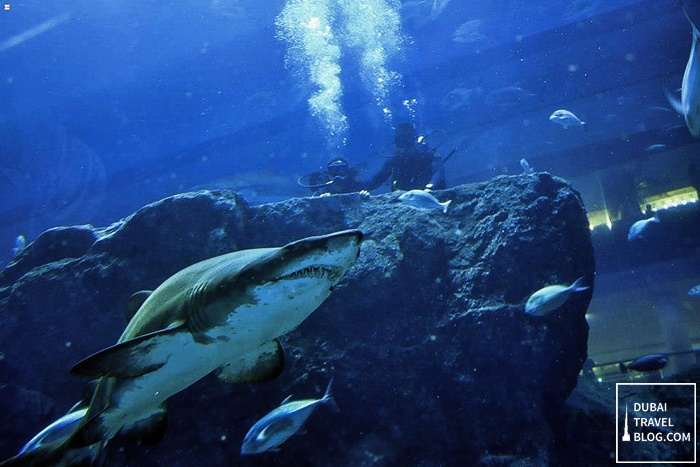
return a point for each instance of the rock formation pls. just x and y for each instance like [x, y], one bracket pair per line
[434, 360]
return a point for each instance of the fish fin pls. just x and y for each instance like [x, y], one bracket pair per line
[262, 364]
[151, 429]
[286, 399]
[129, 359]
[279, 425]
[687, 16]
[135, 302]
[328, 397]
[675, 103]
[445, 205]
[578, 286]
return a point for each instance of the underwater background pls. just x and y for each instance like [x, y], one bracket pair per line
[108, 106]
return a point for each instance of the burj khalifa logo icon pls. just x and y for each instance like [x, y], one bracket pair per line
[626, 435]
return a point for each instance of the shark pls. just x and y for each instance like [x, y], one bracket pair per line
[223, 315]
[689, 104]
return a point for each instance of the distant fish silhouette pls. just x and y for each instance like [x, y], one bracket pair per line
[651, 362]
[641, 228]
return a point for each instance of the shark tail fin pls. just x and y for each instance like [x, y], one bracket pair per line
[328, 398]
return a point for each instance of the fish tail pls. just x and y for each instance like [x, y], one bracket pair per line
[623, 368]
[692, 23]
[675, 103]
[445, 205]
[328, 397]
[578, 286]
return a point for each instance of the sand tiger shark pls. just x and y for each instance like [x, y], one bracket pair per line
[223, 315]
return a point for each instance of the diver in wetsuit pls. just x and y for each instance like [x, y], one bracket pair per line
[338, 177]
[414, 165]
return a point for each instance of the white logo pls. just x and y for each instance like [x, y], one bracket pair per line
[655, 422]
[626, 435]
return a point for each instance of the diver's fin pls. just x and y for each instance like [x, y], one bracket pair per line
[263, 364]
[130, 359]
[149, 430]
[135, 302]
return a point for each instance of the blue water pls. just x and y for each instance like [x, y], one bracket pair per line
[106, 106]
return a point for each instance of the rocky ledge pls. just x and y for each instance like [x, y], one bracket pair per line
[434, 360]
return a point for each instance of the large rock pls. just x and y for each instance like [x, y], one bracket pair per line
[434, 360]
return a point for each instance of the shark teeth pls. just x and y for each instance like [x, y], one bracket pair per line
[320, 272]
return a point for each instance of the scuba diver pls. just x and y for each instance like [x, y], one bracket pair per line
[414, 164]
[338, 177]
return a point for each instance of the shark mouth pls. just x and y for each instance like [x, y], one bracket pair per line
[319, 272]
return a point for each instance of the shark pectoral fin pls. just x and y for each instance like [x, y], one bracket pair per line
[135, 302]
[149, 430]
[262, 364]
[133, 358]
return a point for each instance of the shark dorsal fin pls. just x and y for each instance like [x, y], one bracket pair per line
[286, 399]
[135, 302]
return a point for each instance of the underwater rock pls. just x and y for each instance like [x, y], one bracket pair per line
[433, 358]
[51, 246]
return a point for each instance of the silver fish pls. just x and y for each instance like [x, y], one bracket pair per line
[565, 118]
[549, 298]
[277, 426]
[423, 200]
[689, 105]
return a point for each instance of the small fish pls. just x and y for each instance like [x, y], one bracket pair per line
[20, 245]
[656, 148]
[57, 430]
[689, 105]
[565, 118]
[526, 166]
[640, 228]
[423, 200]
[651, 362]
[549, 298]
[277, 426]
[695, 291]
